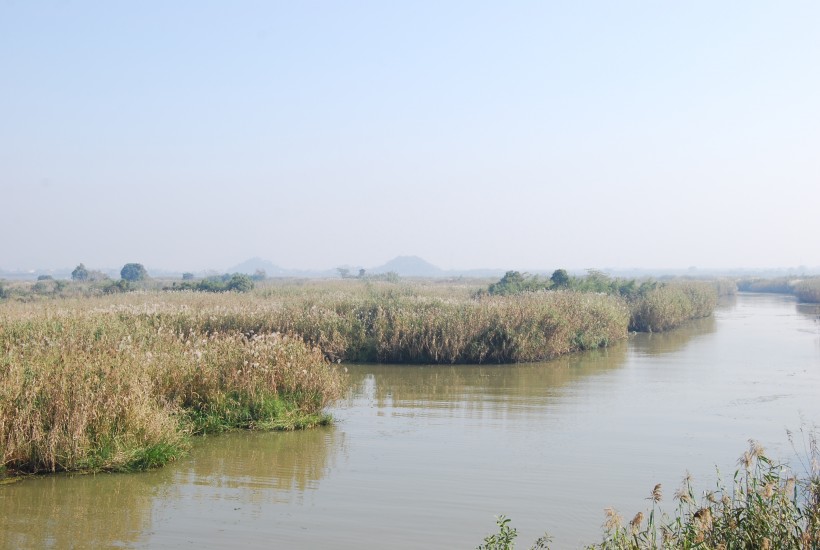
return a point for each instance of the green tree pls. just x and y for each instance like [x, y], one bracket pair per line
[133, 272]
[80, 273]
[511, 283]
[514, 282]
[187, 276]
[240, 282]
[560, 278]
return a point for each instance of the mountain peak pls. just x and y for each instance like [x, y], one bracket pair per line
[409, 266]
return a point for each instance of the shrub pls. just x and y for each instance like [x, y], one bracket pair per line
[115, 287]
[239, 283]
[514, 282]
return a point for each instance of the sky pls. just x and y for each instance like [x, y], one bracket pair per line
[527, 134]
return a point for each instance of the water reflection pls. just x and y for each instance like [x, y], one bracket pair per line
[674, 340]
[453, 387]
[80, 511]
[242, 470]
[812, 311]
[261, 467]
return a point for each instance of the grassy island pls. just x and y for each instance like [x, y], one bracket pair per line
[94, 380]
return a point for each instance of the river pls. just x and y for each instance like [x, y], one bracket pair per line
[426, 456]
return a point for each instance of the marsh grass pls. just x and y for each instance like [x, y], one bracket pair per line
[670, 305]
[390, 327]
[108, 382]
[89, 389]
[767, 506]
[808, 291]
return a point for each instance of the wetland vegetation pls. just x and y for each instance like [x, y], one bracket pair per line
[805, 289]
[767, 506]
[92, 380]
[100, 385]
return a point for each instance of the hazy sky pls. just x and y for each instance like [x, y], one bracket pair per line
[192, 135]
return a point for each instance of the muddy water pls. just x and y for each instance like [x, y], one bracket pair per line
[427, 456]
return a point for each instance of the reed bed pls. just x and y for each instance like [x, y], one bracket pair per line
[766, 507]
[808, 291]
[117, 389]
[107, 382]
[409, 327]
[670, 305]
[776, 285]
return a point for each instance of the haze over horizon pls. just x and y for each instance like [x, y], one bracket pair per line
[196, 135]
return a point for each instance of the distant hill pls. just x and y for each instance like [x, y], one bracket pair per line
[409, 266]
[250, 266]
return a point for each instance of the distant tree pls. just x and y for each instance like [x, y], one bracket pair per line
[80, 273]
[187, 276]
[133, 272]
[259, 275]
[344, 272]
[45, 278]
[514, 282]
[2, 291]
[560, 278]
[361, 273]
[96, 275]
[239, 282]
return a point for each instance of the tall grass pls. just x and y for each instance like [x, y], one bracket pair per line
[88, 389]
[808, 291]
[119, 381]
[670, 305]
[778, 285]
[375, 326]
[767, 507]
[805, 289]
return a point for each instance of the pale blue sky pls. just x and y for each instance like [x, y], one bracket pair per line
[193, 135]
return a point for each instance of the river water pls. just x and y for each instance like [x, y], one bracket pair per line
[427, 456]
